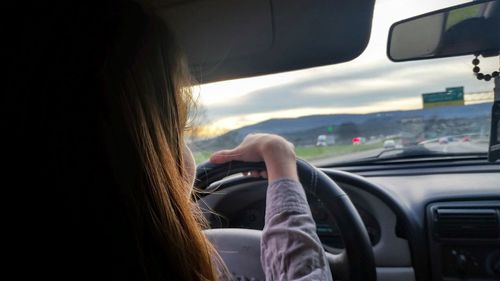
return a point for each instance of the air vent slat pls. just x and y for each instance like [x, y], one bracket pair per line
[467, 223]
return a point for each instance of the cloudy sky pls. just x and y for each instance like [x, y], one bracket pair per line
[369, 83]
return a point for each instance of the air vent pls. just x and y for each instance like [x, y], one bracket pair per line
[467, 223]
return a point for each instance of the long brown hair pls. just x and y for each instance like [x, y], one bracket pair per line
[95, 144]
[147, 85]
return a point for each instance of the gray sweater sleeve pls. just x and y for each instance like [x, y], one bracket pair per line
[290, 248]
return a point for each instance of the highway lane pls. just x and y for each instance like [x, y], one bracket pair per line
[346, 157]
[457, 147]
[451, 147]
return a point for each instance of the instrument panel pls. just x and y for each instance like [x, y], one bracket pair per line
[252, 217]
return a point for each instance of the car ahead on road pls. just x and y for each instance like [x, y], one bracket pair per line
[443, 140]
[357, 141]
[325, 140]
[466, 138]
[389, 144]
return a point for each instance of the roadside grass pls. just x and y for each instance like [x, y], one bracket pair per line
[310, 152]
[201, 156]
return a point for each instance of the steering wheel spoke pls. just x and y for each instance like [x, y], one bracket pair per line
[339, 265]
[240, 250]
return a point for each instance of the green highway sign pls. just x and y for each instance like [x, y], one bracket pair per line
[452, 96]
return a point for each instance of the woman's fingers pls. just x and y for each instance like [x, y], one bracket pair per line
[275, 151]
[223, 156]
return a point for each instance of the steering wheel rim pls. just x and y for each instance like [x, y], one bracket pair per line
[356, 262]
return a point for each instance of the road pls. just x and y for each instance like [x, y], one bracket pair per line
[456, 147]
[452, 147]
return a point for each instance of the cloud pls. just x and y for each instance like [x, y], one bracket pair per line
[352, 88]
[366, 84]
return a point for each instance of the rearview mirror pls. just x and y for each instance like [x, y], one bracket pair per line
[471, 28]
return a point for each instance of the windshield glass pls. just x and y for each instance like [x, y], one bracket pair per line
[355, 110]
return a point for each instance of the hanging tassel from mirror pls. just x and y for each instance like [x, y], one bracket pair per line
[479, 75]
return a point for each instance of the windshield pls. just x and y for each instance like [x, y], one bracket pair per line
[358, 109]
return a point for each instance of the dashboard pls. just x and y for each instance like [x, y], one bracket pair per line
[397, 204]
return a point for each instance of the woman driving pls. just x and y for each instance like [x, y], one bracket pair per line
[116, 123]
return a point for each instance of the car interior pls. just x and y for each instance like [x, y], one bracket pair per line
[394, 216]
[404, 218]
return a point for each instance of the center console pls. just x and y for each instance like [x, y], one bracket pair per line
[464, 240]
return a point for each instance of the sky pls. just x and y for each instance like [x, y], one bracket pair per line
[369, 83]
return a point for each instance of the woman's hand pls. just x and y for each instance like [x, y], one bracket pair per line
[275, 151]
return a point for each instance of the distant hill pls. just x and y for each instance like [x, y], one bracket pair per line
[304, 130]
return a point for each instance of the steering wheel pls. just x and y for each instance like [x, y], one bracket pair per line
[240, 248]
